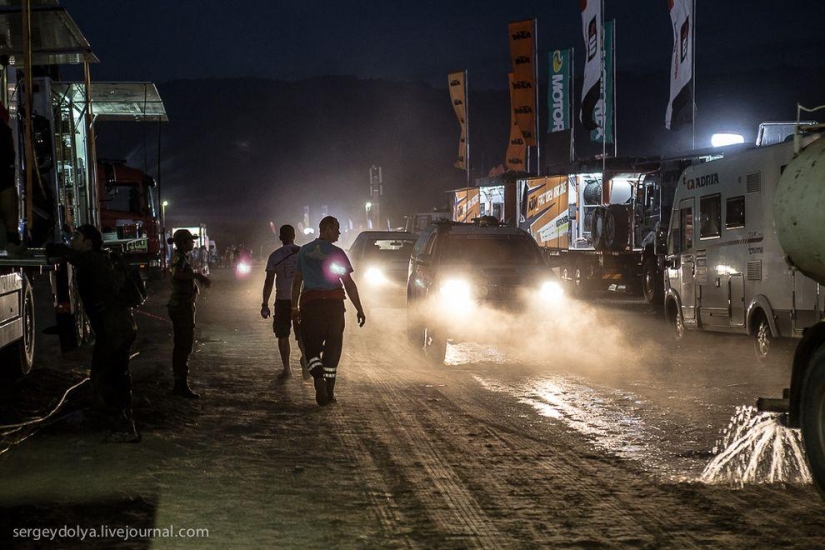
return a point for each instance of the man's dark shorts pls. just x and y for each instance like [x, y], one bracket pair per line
[282, 320]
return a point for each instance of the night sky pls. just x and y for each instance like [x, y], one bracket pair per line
[739, 43]
[161, 40]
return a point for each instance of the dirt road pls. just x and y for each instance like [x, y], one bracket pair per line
[493, 450]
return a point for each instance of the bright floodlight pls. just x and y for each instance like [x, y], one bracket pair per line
[721, 140]
[308, 231]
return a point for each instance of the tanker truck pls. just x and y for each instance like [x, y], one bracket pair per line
[799, 209]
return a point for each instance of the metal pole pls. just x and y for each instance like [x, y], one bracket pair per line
[693, 76]
[164, 244]
[91, 151]
[571, 92]
[536, 95]
[27, 119]
[604, 102]
[613, 92]
[467, 125]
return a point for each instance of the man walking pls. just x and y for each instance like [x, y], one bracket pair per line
[181, 309]
[318, 303]
[99, 284]
[280, 269]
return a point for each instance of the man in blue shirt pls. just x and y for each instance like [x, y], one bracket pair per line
[321, 277]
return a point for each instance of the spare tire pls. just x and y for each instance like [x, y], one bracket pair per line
[615, 227]
[592, 193]
[597, 231]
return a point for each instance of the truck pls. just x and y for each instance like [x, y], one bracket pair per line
[52, 128]
[797, 217]
[603, 223]
[130, 217]
[726, 271]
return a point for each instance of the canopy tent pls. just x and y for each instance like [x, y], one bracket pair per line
[55, 38]
[116, 101]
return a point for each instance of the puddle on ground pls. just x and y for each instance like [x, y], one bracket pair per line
[754, 448]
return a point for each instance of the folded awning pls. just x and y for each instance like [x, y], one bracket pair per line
[55, 38]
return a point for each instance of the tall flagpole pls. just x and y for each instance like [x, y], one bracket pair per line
[693, 74]
[614, 110]
[536, 94]
[571, 92]
[604, 100]
[467, 125]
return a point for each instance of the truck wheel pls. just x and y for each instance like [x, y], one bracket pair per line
[812, 418]
[436, 346]
[17, 359]
[675, 321]
[567, 278]
[580, 284]
[615, 227]
[762, 338]
[652, 282]
[597, 232]
[415, 331]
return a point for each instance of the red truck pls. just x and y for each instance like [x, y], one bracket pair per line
[130, 216]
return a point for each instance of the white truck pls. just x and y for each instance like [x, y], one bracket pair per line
[726, 271]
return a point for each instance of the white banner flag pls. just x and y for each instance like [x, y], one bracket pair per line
[680, 106]
[592, 30]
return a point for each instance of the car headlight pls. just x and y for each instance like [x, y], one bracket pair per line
[456, 294]
[551, 291]
[375, 276]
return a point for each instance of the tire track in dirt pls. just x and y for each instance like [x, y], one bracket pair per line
[416, 456]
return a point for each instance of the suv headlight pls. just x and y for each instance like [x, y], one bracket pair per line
[456, 293]
[375, 276]
[551, 291]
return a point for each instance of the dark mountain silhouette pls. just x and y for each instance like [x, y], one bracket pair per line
[238, 153]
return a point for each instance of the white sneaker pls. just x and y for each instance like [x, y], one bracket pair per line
[305, 369]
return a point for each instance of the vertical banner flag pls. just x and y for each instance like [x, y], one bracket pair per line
[591, 88]
[558, 94]
[603, 113]
[523, 85]
[459, 100]
[680, 106]
[517, 149]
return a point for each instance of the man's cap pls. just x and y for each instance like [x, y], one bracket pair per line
[91, 233]
[182, 235]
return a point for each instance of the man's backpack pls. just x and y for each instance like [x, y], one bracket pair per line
[133, 289]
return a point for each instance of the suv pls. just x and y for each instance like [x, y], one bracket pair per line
[457, 270]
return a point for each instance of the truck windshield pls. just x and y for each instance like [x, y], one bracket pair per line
[124, 198]
[491, 249]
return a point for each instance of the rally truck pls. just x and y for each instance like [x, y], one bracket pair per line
[603, 223]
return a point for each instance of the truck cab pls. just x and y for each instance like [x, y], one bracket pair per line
[130, 217]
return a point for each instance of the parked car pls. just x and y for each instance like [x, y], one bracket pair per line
[380, 260]
[458, 271]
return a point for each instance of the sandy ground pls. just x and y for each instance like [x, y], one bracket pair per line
[412, 456]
